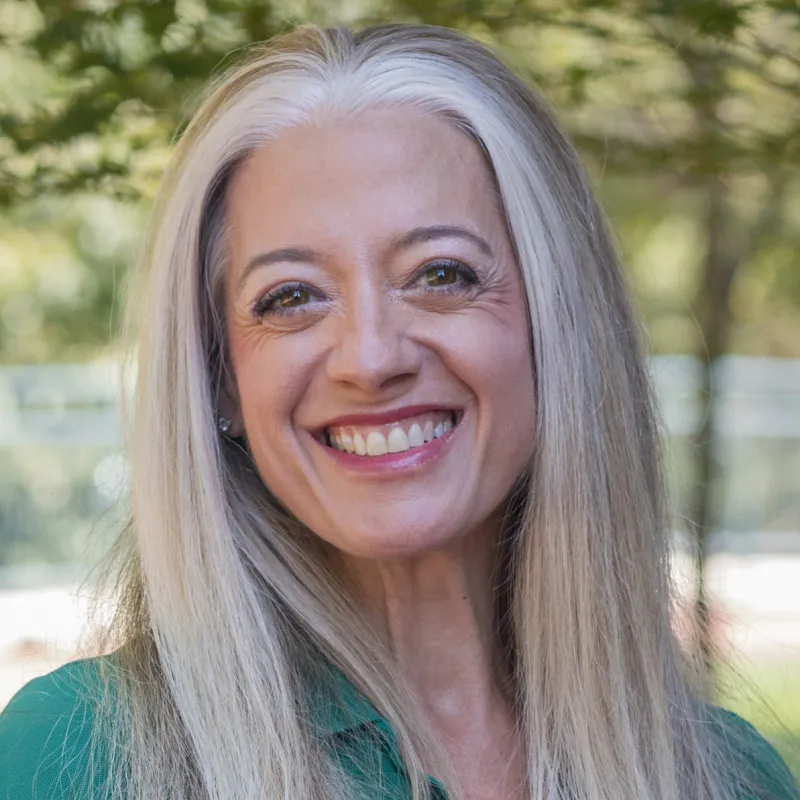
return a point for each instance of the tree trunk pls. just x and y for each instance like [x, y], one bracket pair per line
[712, 311]
[731, 243]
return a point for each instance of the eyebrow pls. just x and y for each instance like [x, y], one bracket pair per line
[433, 232]
[414, 236]
[297, 255]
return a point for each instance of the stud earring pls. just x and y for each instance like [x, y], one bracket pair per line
[223, 423]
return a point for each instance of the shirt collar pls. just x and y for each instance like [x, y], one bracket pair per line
[336, 706]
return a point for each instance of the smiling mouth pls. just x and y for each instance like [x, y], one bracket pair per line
[395, 437]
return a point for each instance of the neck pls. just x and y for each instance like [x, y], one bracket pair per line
[436, 613]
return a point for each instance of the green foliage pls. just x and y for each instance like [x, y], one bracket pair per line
[119, 75]
[705, 85]
[62, 270]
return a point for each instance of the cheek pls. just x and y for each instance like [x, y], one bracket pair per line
[505, 385]
[493, 353]
[509, 427]
[495, 361]
[271, 377]
[268, 400]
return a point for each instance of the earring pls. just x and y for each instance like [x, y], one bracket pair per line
[223, 423]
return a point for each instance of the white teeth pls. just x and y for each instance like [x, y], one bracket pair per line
[398, 441]
[397, 438]
[359, 444]
[442, 428]
[376, 444]
[347, 441]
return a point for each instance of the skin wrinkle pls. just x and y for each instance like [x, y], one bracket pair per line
[420, 547]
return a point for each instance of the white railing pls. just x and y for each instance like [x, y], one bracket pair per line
[76, 404]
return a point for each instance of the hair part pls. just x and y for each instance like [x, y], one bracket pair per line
[227, 602]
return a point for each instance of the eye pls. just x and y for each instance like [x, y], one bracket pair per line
[447, 275]
[441, 275]
[294, 296]
[291, 298]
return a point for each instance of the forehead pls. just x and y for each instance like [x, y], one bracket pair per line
[380, 173]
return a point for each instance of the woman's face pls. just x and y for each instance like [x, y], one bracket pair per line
[378, 332]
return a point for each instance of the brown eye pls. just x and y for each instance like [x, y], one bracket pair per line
[442, 274]
[295, 296]
[444, 277]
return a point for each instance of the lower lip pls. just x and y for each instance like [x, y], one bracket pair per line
[393, 462]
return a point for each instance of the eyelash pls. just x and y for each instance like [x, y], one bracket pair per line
[267, 305]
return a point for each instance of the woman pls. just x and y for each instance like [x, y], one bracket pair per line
[397, 508]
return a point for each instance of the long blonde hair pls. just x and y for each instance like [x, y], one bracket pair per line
[226, 602]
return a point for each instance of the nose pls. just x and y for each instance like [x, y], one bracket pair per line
[373, 350]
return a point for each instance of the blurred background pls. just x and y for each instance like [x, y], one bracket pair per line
[687, 115]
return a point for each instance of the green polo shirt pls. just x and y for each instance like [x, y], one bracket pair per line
[45, 737]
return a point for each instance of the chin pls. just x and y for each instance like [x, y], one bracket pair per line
[392, 542]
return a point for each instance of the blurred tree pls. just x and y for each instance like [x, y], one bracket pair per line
[687, 112]
[119, 78]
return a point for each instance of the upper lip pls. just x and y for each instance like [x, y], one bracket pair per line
[387, 417]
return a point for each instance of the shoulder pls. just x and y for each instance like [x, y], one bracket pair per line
[46, 734]
[763, 774]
